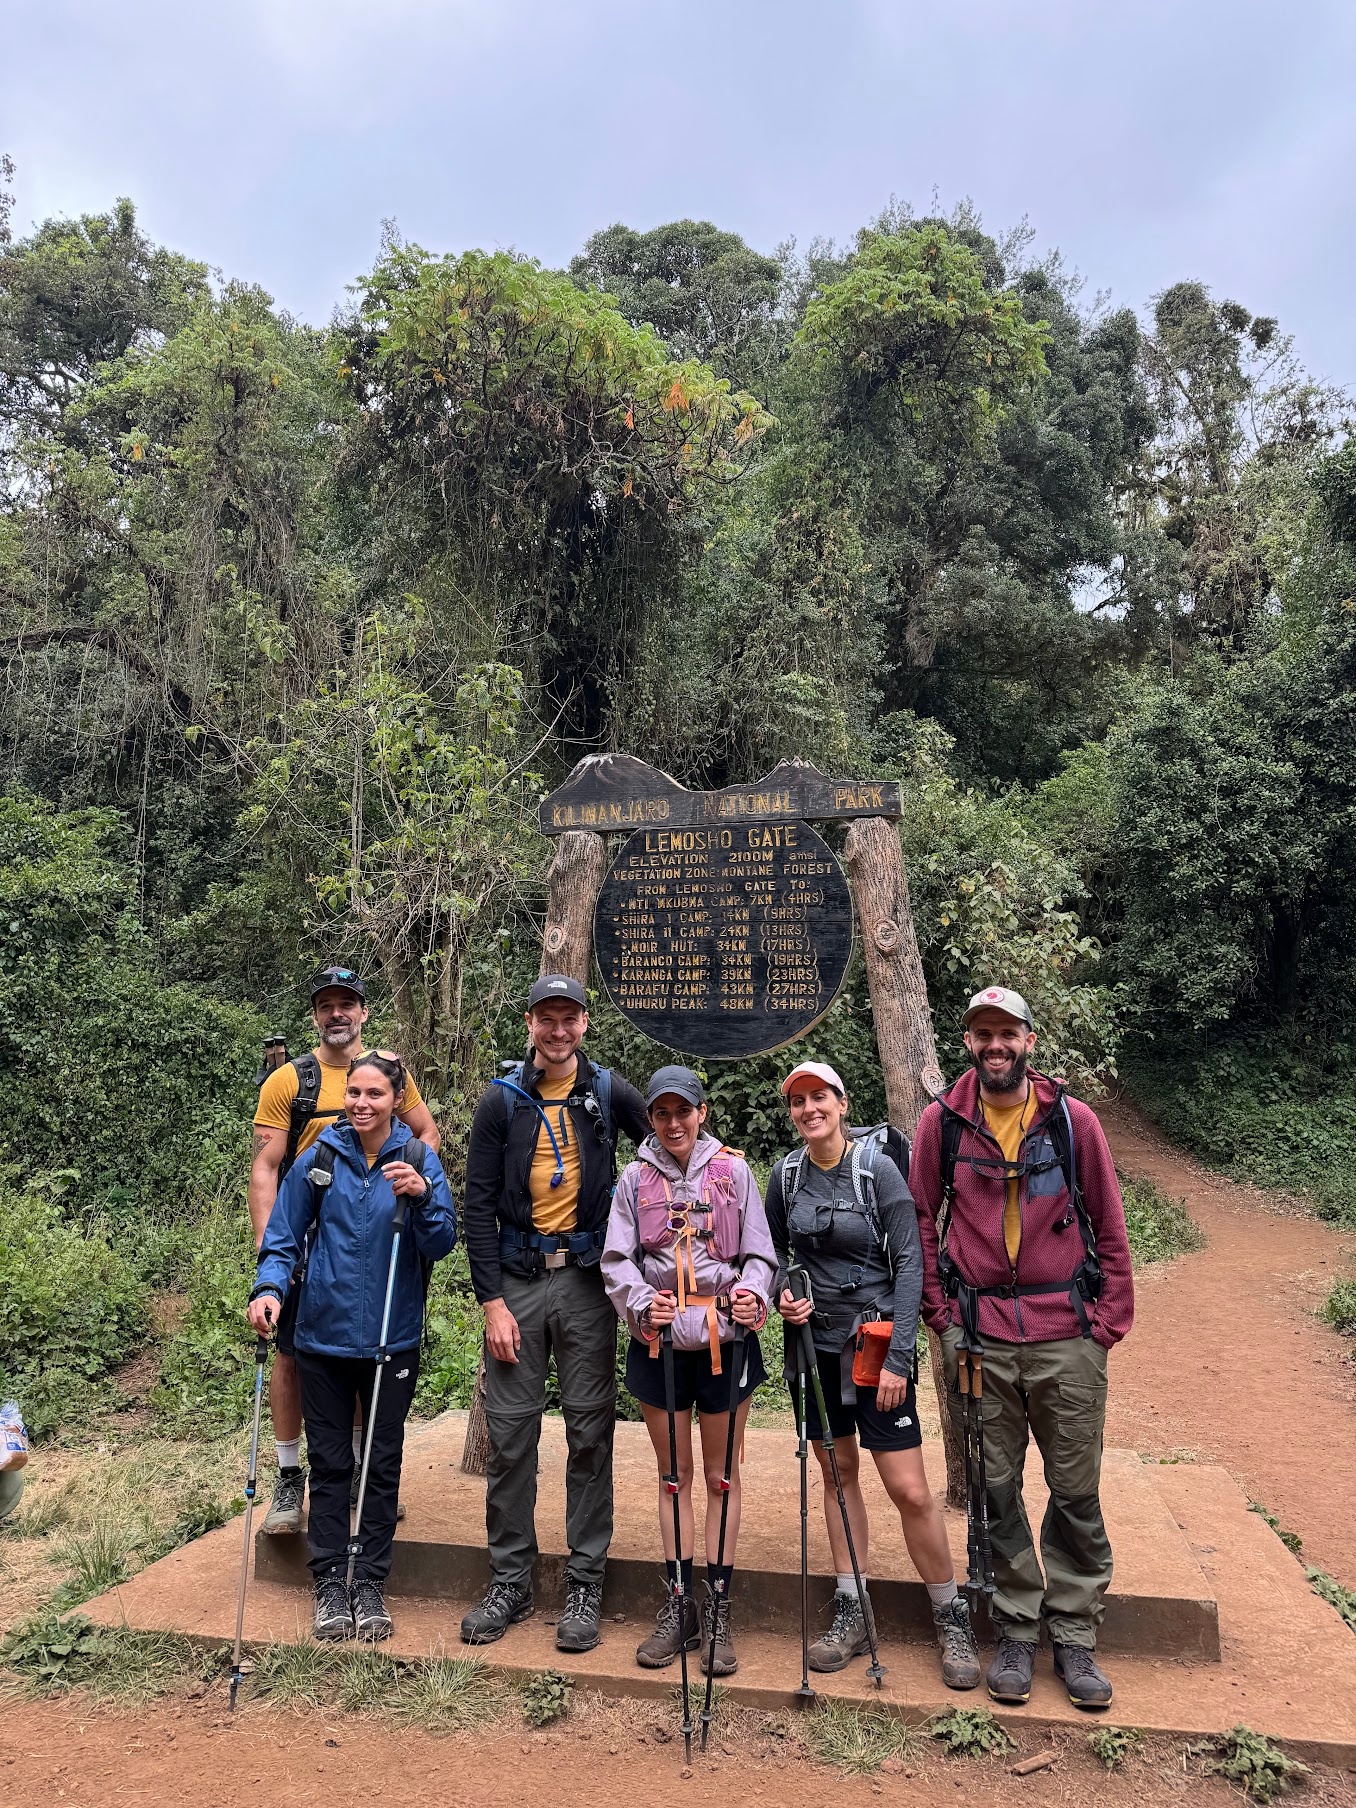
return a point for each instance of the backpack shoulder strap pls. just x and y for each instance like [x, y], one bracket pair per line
[602, 1091]
[303, 1106]
[1061, 1132]
[416, 1154]
[863, 1170]
[793, 1167]
[321, 1171]
[952, 1126]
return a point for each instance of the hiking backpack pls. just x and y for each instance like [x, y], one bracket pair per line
[869, 1143]
[596, 1101]
[305, 1105]
[1085, 1284]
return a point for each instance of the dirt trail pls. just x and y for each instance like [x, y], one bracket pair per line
[60, 1752]
[1227, 1362]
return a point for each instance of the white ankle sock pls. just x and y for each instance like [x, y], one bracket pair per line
[942, 1594]
[289, 1453]
[847, 1585]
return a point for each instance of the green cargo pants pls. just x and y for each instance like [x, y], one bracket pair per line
[563, 1312]
[1058, 1392]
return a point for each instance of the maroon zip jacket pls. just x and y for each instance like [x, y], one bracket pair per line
[975, 1238]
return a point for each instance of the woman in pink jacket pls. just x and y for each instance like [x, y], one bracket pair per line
[688, 1246]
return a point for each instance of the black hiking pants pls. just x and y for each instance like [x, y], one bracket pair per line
[329, 1387]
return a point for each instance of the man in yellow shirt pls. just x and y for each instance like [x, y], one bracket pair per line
[540, 1167]
[296, 1102]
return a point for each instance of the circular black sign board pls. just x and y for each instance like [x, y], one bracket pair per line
[724, 941]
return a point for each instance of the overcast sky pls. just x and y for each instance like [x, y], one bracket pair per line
[1150, 140]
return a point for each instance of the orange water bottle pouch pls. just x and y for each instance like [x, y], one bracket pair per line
[869, 1353]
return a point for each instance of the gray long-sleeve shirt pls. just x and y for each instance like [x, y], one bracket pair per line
[848, 1252]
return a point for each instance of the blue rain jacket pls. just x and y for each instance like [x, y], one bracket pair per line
[350, 1226]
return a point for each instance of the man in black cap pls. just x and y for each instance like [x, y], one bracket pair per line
[296, 1102]
[540, 1167]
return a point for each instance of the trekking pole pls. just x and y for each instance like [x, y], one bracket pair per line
[987, 1585]
[355, 1544]
[736, 1368]
[671, 1483]
[804, 1694]
[251, 1480]
[799, 1283]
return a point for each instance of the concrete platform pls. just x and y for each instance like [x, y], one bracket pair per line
[1189, 1556]
[1161, 1605]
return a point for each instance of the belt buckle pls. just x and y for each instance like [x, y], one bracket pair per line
[556, 1259]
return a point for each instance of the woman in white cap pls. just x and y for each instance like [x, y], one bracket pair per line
[840, 1210]
[688, 1248]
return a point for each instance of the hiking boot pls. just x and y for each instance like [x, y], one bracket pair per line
[845, 1639]
[1010, 1671]
[505, 1603]
[666, 1641]
[371, 1622]
[1088, 1687]
[284, 1510]
[333, 1611]
[578, 1628]
[960, 1654]
[718, 1653]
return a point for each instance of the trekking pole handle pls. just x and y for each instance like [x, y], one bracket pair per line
[798, 1285]
[261, 1350]
[977, 1373]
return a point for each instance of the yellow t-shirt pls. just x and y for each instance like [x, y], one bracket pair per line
[274, 1110]
[1009, 1123]
[555, 1210]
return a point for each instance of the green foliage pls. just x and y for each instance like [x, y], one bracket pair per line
[969, 1733]
[858, 1740]
[1291, 1540]
[546, 1697]
[137, 1087]
[206, 1372]
[1112, 1745]
[1256, 1764]
[1339, 1309]
[1269, 1110]
[1329, 1589]
[98, 1560]
[1159, 1228]
[447, 1370]
[50, 1654]
[71, 1307]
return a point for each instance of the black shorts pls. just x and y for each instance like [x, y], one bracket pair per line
[875, 1430]
[693, 1382]
[287, 1320]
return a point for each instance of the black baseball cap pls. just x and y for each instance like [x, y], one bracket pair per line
[681, 1080]
[556, 985]
[342, 977]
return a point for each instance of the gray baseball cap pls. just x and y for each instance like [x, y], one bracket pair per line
[999, 998]
[681, 1080]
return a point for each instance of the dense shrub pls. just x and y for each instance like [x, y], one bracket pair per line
[205, 1369]
[71, 1308]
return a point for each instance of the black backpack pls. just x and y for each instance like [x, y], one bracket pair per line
[305, 1105]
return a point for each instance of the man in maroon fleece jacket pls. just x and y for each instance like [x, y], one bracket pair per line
[1039, 1277]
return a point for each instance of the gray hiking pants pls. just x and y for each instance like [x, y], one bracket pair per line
[563, 1312]
[1056, 1392]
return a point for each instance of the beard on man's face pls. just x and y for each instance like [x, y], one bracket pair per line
[339, 1035]
[997, 1078]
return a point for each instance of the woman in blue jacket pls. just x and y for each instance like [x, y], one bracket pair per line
[346, 1228]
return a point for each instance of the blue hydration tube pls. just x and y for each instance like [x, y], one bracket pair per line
[536, 1104]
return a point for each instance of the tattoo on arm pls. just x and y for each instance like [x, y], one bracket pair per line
[262, 1138]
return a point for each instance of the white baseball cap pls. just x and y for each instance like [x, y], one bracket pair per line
[999, 998]
[813, 1070]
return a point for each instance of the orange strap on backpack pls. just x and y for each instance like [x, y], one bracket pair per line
[870, 1350]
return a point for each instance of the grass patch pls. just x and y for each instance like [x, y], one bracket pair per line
[448, 1695]
[1158, 1226]
[858, 1740]
[1255, 1764]
[1291, 1540]
[1112, 1745]
[970, 1733]
[41, 1512]
[1329, 1589]
[295, 1676]
[98, 1560]
[50, 1654]
[1339, 1309]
